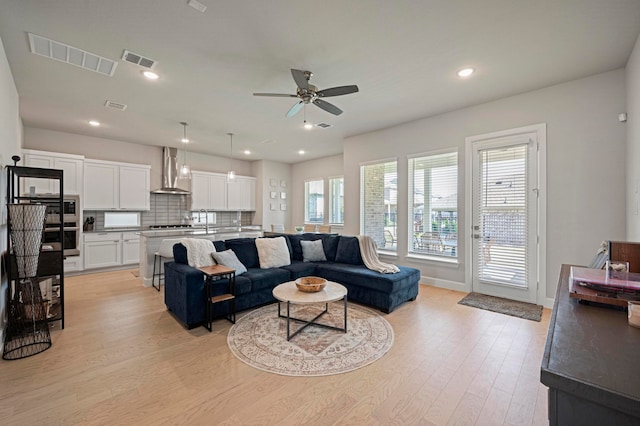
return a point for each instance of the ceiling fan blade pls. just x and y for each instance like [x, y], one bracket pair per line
[327, 107]
[300, 78]
[337, 91]
[294, 109]
[278, 95]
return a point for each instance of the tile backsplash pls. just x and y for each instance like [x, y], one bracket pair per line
[167, 209]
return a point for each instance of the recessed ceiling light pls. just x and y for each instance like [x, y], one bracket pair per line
[150, 75]
[301, 152]
[94, 123]
[465, 72]
[308, 125]
[246, 152]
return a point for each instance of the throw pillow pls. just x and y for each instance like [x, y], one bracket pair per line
[313, 251]
[229, 259]
[273, 252]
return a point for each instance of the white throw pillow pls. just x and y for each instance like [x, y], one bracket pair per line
[273, 252]
[199, 252]
[313, 251]
[229, 259]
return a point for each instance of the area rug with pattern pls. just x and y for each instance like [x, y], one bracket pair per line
[259, 339]
[503, 306]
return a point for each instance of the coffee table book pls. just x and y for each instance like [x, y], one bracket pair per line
[607, 287]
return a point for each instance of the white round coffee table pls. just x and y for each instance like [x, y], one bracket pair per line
[288, 293]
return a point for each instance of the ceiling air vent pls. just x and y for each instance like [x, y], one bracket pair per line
[115, 105]
[324, 125]
[137, 59]
[71, 55]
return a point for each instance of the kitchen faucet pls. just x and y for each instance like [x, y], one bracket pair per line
[206, 219]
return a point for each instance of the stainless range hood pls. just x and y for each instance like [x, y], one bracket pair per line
[170, 173]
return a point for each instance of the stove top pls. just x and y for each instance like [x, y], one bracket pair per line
[169, 226]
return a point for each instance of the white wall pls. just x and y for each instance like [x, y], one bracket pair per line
[270, 175]
[113, 150]
[321, 168]
[585, 165]
[633, 143]
[10, 140]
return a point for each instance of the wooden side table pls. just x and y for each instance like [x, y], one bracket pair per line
[213, 274]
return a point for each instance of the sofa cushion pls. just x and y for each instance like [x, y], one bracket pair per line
[348, 251]
[229, 259]
[359, 275]
[245, 249]
[330, 245]
[313, 251]
[266, 278]
[300, 269]
[273, 252]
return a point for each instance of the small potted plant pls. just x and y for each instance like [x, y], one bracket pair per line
[299, 229]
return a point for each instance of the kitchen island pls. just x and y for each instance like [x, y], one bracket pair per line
[150, 242]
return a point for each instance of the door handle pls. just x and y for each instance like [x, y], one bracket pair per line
[476, 236]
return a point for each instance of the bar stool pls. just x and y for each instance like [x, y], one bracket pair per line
[165, 252]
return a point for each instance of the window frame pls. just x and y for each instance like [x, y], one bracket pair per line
[411, 243]
[331, 200]
[379, 239]
[306, 201]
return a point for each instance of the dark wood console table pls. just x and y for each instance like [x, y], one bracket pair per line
[591, 363]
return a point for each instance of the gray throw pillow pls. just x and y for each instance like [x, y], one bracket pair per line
[313, 251]
[229, 259]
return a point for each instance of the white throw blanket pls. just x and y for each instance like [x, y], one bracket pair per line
[369, 253]
[199, 252]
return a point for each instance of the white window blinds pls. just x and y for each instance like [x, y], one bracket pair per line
[501, 215]
[314, 201]
[433, 204]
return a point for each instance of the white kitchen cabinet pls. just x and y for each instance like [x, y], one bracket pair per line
[130, 248]
[102, 249]
[242, 194]
[106, 249]
[72, 264]
[71, 165]
[208, 191]
[134, 188]
[211, 191]
[116, 186]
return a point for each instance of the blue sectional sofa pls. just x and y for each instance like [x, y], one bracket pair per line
[184, 285]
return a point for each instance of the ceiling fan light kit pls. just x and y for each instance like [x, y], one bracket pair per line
[308, 93]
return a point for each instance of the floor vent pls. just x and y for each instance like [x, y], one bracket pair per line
[137, 59]
[324, 125]
[115, 105]
[71, 55]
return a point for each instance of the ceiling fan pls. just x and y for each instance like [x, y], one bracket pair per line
[308, 93]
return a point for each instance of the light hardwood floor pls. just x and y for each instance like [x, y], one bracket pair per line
[123, 359]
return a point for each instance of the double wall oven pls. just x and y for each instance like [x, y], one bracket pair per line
[70, 226]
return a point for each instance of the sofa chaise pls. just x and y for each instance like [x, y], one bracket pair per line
[184, 285]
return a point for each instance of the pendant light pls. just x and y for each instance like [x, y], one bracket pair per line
[231, 175]
[185, 171]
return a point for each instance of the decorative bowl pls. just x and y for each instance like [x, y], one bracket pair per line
[310, 284]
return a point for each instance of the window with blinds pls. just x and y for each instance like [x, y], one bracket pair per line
[336, 200]
[379, 203]
[314, 201]
[501, 214]
[433, 205]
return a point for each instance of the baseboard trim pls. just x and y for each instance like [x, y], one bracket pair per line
[439, 282]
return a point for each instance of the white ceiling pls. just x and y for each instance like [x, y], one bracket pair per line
[403, 55]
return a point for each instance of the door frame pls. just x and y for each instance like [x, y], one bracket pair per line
[541, 225]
